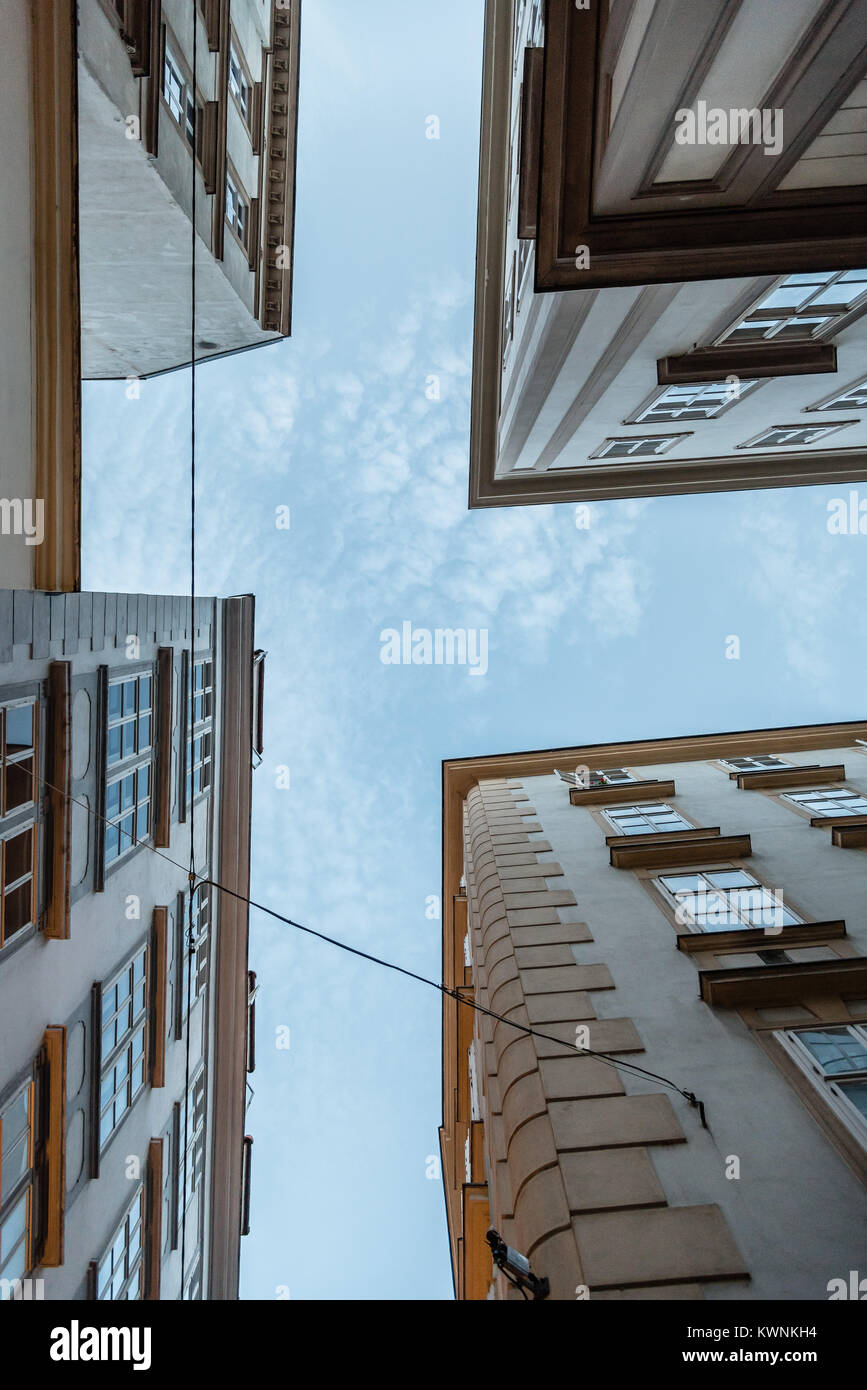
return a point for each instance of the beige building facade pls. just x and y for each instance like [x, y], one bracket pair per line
[693, 908]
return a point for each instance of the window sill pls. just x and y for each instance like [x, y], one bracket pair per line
[841, 822]
[748, 938]
[770, 778]
[702, 847]
[620, 792]
[785, 984]
[791, 358]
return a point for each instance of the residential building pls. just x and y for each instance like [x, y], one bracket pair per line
[682, 923]
[40, 442]
[128, 725]
[671, 269]
[140, 113]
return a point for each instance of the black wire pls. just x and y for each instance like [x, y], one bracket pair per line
[607, 1058]
[187, 1002]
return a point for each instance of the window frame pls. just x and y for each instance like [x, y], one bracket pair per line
[823, 1085]
[669, 898]
[131, 1271]
[645, 412]
[820, 432]
[122, 1048]
[143, 760]
[246, 79]
[668, 440]
[641, 810]
[236, 192]
[172, 57]
[729, 763]
[793, 793]
[198, 729]
[201, 947]
[829, 329]
[24, 1188]
[837, 399]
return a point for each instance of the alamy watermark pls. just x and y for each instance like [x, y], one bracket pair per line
[444, 646]
[739, 126]
[17, 518]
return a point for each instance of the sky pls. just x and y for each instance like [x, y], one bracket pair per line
[618, 631]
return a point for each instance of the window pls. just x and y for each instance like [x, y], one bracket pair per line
[193, 1136]
[237, 210]
[124, 1044]
[120, 1272]
[854, 397]
[200, 733]
[18, 880]
[18, 724]
[759, 762]
[178, 94]
[784, 436]
[18, 829]
[836, 1061]
[130, 748]
[193, 1287]
[201, 930]
[724, 900]
[604, 777]
[699, 401]
[652, 445]
[509, 311]
[17, 1162]
[830, 801]
[239, 84]
[645, 820]
[801, 306]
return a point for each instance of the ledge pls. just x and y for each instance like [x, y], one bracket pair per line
[746, 360]
[812, 776]
[656, 837]
[832, 822]
[757, 939]
[622, 791]
[849, 836]
[785, 984]
[703, 847]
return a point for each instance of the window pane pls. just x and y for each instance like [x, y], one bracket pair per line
[856, 1092]
[836, 1050]
[19, 784]
[731, 878]
[19, 728]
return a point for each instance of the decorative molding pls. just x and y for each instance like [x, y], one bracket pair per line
[750, 939]
[531, 134]
[278, 198]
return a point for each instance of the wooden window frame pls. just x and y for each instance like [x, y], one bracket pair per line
[827, 1087]
[237, 51]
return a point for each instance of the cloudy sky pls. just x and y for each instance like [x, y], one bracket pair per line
[615, 632]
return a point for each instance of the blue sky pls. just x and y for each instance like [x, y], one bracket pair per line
[614, 632]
